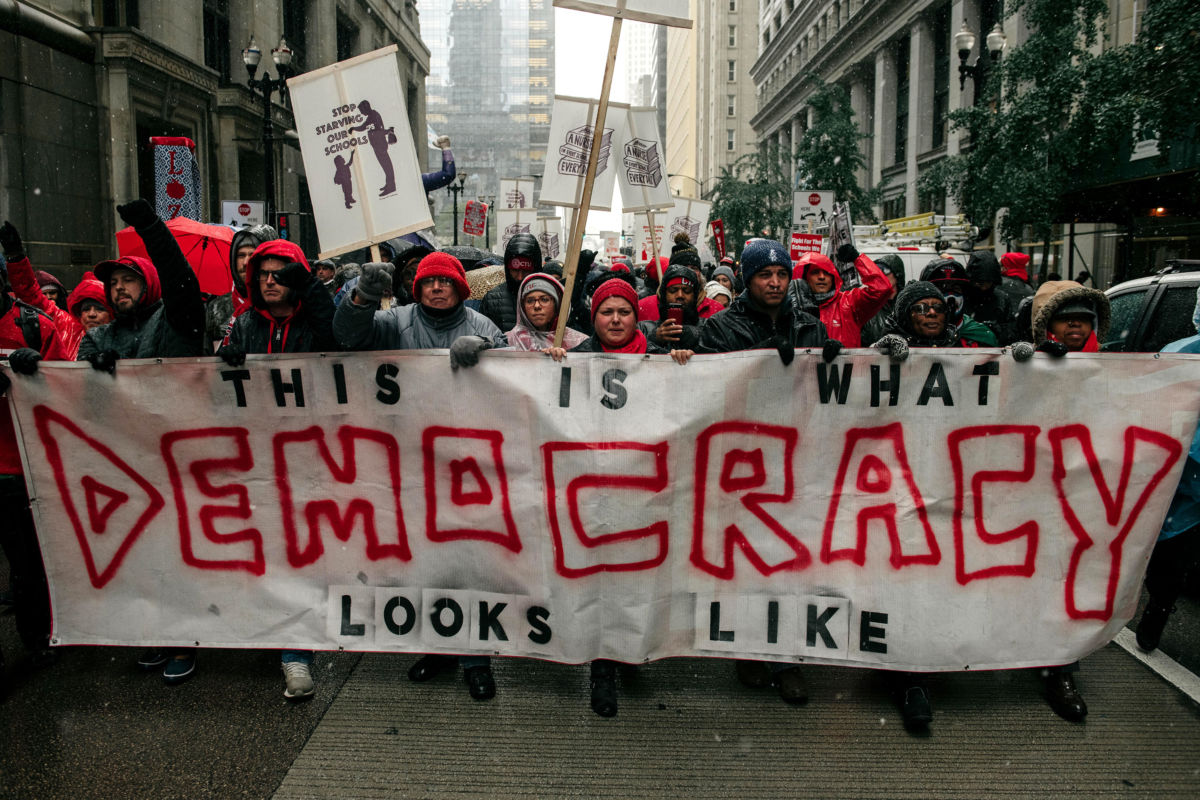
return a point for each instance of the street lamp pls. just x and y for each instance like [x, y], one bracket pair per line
[282, 56]
[690, 178]
[456, 188]
[964, 42]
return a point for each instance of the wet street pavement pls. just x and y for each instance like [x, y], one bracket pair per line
[94, 726]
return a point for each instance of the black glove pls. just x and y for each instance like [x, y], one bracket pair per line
[232, 354]
[847, 254]
[787, 353]
[830, 350]
[24, 360]
[10, 240]
[466, 349]
[1056, 349]
[5, 383]
[375, 281]
[294, 276]
[140, 214]
[105, 361]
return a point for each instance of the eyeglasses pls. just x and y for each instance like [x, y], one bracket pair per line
[265, 276]
[539, 301]
[921, 309]
[437, 280]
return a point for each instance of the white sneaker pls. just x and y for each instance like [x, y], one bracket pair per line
[299, 680]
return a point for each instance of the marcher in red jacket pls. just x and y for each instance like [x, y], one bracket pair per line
[843, 312]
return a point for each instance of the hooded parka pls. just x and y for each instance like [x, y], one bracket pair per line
[309, 329]
[500, 304]
[844, 313]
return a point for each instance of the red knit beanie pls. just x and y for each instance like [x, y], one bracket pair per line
[614, 287]
[444, 265]
[656, 267]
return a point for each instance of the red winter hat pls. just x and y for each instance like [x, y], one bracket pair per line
[447, 266]
[656, 267]
[88, 289]
[614, 287]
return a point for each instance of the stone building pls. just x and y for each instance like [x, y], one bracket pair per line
[85, 84]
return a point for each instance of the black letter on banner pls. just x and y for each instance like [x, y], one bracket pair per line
[237, 376]
[715, 634]
[536, 616]
[339, 382]
[840, 382]
[617, 396]
[347, 629]
[564, 389]
[773, 622]
[935, 386]
[296, 387]
[870, 634]
[983, 371]
[456, 612]
[385, 379]
[816, 625]
[489, 621]
[389, 619]
[891, 385]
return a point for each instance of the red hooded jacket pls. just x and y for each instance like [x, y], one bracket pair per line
[12, 338]
[28, 289]
[1016, 265]
[846, 312]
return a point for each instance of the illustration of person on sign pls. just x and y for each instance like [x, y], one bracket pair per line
[343, 178]
[379, 137]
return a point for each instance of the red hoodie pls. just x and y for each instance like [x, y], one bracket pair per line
[845, 313]
[279, 329]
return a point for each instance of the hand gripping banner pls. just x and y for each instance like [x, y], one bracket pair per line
[956, 511]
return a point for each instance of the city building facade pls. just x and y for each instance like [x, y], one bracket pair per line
[85, 84]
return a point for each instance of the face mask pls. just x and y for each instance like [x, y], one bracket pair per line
[954, 305]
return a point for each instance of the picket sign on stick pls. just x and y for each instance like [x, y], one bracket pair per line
[653, 241]
[672, 12]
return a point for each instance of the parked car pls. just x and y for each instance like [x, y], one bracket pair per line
[1150, 312]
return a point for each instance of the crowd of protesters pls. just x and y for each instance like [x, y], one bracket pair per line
[677, 305]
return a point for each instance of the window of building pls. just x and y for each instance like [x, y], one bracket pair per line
[294, 30]
[119, 13]
[347, 38]
[733, 35]
[894, 208]
[733, 5]
[901, 100]
[941, 74]
[730, 141]
[731, 106]
[216, 37]
[732, 69]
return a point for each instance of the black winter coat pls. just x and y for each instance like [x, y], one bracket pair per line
[743, 326]
[309, 330]
[500, 305]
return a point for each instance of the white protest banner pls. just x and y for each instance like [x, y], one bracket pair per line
[811, 208]
[571, 128]
[511, 221]
[641, 170]
[859, 513]
[363, 173]
[242, 212]
[516, 193]
[475, 218]
[661, 12]
[549, 233]
[688, 216]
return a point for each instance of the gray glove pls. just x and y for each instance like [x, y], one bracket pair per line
[893, 346]
[466, 349]
[375, 281]
[1022, 351]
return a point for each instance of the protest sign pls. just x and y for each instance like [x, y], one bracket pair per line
[549, 233]
[841, 232]
[176, 177]
[856, 513]
[571, 128]
[689, 216]
[718, 229]
[363, 174]
[516, 193]
[612, 244]
[475, 218]
[510, 222]
[642, 170]
[643, 243]
[805, 243]
[661, 12]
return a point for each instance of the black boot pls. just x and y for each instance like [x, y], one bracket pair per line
[429, 666]
[604, 688]
[480, 682]
[1150, 626]
[1063, 697]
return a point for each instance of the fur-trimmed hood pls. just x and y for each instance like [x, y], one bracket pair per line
[1053, 295]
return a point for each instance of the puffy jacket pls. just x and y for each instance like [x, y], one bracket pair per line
[408, 327]
[28, 289]
[846, 312]
[500, 304]
[993, 308]
[310, 327]
[1015, 281]
[745, 326]
[169, 319]
[12, 336]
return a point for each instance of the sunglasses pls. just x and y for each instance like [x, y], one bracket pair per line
[921, 309]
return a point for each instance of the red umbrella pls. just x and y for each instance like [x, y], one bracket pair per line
[206, 248]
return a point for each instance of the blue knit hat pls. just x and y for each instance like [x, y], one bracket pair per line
[761, 253]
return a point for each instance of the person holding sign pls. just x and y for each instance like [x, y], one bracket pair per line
[844, 311]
